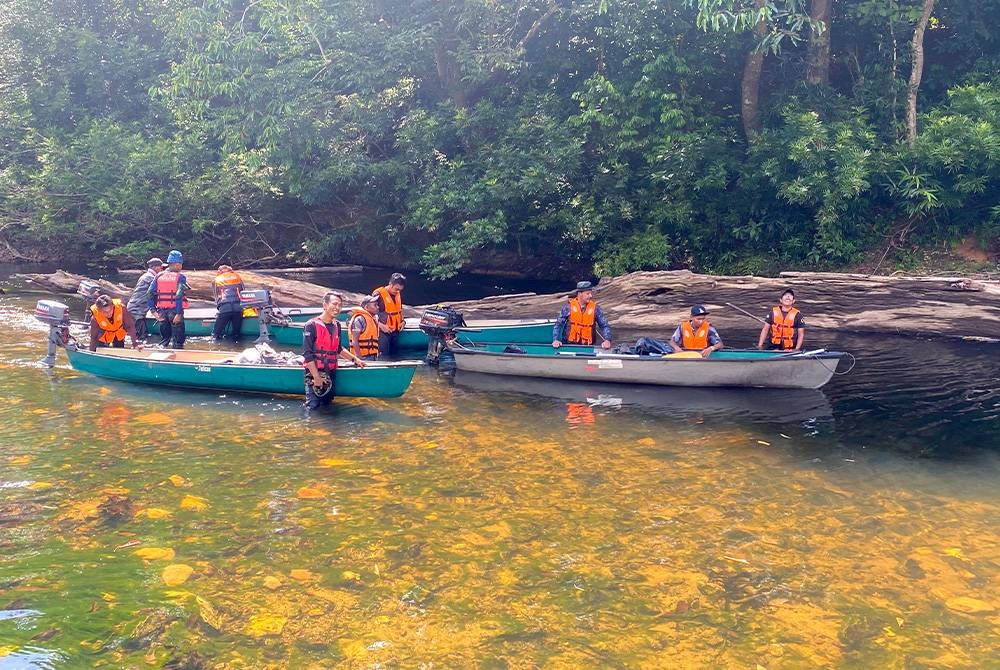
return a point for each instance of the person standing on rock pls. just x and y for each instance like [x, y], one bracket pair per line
[784, 328]
[580, 318]
[166, 298]
[138, 303]
[390, 314]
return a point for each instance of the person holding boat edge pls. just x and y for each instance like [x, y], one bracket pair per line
[784, 328]
[138, 304]
[166, 297]
[228, 285]
[320, 350]
[583, 316]
[696, 334]
[110, 324]
[390, 314]
[363, 329]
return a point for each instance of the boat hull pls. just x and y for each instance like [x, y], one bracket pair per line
[526, 331]
[208, 370]
[199, 322]
[738, 369]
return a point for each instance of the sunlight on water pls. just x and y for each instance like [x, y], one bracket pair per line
[470, 525]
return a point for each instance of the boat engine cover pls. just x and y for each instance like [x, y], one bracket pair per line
[260, 297]
[440, 320]
[51, 312]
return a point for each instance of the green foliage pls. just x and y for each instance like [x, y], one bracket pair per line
[576, 135]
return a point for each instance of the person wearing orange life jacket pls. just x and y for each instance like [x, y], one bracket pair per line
[784, 327]
[579, 318]
[166, 298]
[321, 350]
[228, 285]
[696, 334]
[363, 329]
[110, 323]
[390, 314]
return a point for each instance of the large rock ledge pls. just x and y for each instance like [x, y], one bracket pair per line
[658, 301]
[655, 302]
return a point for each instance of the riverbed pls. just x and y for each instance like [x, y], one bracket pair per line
[479, 522]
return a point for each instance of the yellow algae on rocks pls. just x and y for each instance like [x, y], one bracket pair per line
[194, 503]
[812, 632]
[302, 575]
[154, 513]
[309, 493]
[155, 419]
[177, 481]
[155, 553]
[968, 605]
[176, 574]
[261, 625]
[271, 582]
[333, 462]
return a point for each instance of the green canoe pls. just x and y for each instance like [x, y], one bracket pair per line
[200, 321]
[191, 369]
[509, 331]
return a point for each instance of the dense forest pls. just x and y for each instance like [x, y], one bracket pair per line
[528, 135]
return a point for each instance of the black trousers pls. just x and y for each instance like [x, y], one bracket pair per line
[232, 318]
[141, 331]
[314, 401]
[388, 345]
[171, 335]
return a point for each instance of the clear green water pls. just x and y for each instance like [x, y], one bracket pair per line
[476, 525]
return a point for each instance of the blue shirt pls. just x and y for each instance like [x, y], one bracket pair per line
[562, 321]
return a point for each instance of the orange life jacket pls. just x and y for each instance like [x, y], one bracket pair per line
[114, 330]
[393, 309]
[227, 287]
[694, 339]
[327, 347]
[166, 290]
[783, 328]
[367, 338]
[581, 322]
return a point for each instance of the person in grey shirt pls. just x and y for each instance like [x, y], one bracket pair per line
[138, 303]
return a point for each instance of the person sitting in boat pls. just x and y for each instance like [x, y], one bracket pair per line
[228, 285]
[166, 297]
[110, 324]
[583, 316]
[390, 314]
[363, 329]
[138, 303]
[320, 350]
[783, 328]
[696, 334]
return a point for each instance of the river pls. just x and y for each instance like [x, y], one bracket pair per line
[479, 522]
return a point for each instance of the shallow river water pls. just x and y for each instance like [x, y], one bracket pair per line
[488, 523]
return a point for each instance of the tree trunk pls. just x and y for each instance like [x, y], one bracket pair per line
[750, 83]
[449, 71]
[818, 59]
[917, 72]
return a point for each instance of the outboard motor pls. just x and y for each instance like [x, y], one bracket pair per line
[56, 316]
[440, 324]
[260, 300]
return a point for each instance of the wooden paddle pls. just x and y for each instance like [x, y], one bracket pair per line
[683, 354]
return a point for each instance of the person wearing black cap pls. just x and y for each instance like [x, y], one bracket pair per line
[579, 318]
[390, 314]
[696, 334]
[110, 324]
[137, 304]
[363, 329]
[784, 324]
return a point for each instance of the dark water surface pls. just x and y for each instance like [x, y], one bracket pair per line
[480, 522]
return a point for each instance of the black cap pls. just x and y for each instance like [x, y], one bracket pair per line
[584, 286]
[155, 263]
[397, 278]
[699, 310]
[367, 300]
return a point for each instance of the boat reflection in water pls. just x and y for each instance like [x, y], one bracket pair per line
[772, 405]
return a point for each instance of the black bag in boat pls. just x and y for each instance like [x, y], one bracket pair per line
[650, 346]
[439, 320]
